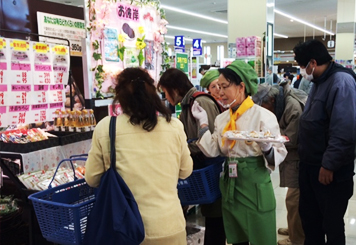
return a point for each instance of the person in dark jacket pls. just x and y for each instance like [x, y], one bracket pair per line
[327, 135]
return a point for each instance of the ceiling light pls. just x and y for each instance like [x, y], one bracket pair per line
[186, 39]
[269, 5]
[193, 14]
[280, 35]
[303, 22]
[291, 20]
[196, 31]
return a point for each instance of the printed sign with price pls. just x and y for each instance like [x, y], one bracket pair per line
[76, 47]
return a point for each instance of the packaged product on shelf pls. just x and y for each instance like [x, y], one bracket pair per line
[64, 126]
[80, 122]
[71, 121]
[57, 121]
[86, 120]
[22, 136]
[92, 119]
[39, 180]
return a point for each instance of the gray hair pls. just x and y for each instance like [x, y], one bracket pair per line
[265, 93]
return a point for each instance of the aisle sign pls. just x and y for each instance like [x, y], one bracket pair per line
[197, 47]
[179, 43]
[182, 62]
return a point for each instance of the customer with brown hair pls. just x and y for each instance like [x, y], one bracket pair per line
[179, 89]
[151, 154]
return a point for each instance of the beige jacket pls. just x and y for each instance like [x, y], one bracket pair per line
[150, 163]
[257, 119]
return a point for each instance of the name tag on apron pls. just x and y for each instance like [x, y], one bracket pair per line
[233, 170]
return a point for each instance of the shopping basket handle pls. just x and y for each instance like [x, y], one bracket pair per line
[71, 163]
[81, 155]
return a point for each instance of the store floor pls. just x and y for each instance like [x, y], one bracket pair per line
[281, 211]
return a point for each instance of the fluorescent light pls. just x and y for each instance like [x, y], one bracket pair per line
[186, 39]
[193, 14]
[280, 35]
[269, 5]
[196, 31]
[303, 22]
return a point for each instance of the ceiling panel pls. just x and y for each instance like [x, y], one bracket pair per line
[319, 12]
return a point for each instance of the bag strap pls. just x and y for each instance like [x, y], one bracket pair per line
[112, 133]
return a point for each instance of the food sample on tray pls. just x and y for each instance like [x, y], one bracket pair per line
[263, 136]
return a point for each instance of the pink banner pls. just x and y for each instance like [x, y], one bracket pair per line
[56, 87]
[17, 108]
[42, 67]
[41, 87]
[2, 109]
[3, 88]
[3, 66]
[21, 88]
[20, 67]
[56, 105]
[39, 107]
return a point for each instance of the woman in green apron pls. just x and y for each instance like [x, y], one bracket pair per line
[248, 201]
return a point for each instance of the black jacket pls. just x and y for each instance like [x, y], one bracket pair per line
[327, 130]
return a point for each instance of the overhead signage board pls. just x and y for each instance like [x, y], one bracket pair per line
[179, 44]
[197, 47]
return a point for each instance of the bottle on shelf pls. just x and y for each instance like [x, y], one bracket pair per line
[64, 126]
[80, 122]
[92, 119]
[71, 121]
[57, 121]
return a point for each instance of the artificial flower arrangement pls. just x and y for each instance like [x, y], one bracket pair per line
[99, 10]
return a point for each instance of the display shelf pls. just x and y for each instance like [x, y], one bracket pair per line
[29, 147]
[65, 138]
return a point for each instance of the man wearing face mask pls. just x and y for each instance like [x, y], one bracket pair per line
[327, 135]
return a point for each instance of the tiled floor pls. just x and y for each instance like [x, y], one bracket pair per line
[281, 211]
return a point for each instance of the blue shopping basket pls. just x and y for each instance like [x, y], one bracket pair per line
[62, 211]
[201, 187]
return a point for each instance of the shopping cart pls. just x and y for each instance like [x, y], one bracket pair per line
[62, 211]
[201, 187]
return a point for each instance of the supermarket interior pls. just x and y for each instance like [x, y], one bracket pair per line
[59, 63]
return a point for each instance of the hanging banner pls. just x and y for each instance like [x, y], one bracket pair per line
[62, 27]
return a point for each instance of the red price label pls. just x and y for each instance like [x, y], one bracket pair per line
[2, 98]
[22, 116]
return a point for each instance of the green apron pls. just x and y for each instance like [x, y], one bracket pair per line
[248, 203]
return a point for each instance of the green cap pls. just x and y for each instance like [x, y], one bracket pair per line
[209, 77]
[247, 75]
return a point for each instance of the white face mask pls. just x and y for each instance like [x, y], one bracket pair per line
[228, 105]
[304, 73]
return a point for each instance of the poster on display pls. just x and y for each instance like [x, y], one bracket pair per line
[33, 75]
[132, 37]
[62, 27]
[182, 62]
[60, 59]
[42, 73]
[4, 53]
[150, 58]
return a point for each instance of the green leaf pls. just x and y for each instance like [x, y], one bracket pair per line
[100, 68]
[97, 56]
